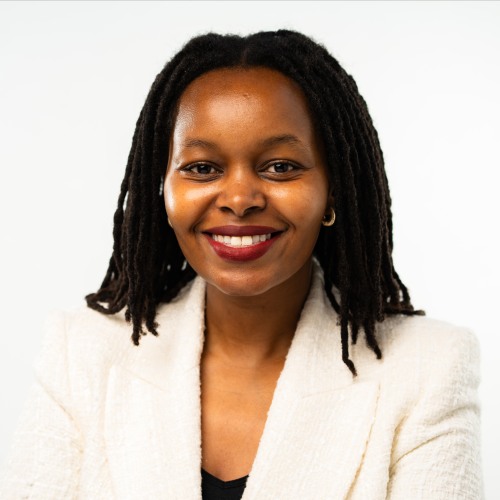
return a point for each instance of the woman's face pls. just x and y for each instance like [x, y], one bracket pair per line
[246, 185]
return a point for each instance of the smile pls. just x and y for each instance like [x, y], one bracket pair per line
[241, 243]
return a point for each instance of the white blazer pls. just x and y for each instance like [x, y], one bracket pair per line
[109, 420]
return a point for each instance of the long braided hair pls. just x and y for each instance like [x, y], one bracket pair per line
[147, 266]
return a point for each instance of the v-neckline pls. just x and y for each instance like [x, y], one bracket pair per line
[289, 388]
[223, 484]
[318, 414]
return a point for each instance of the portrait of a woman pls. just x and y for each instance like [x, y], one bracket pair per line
[252, 338]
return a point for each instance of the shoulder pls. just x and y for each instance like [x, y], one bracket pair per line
[81, 347]
[424, 350]
[85, 341]
[431, 339]
[78, 348]
[83, 331]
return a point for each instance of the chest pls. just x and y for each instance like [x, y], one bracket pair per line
[234, 408]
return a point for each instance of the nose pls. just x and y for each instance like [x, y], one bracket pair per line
[241, 193]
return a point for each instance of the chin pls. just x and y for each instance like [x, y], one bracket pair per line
[243, 284]
[242, 289]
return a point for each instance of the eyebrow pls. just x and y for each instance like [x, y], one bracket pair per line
[198, 143]
[282, 139]
[275, 140]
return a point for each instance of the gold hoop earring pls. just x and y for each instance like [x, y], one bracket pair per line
[329, 219]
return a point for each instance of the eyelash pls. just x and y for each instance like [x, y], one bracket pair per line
[283, 162]
[191, 168]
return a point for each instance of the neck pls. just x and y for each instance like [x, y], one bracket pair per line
[249, 331]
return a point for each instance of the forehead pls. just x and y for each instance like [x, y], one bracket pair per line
[236, 80]
[247, 94]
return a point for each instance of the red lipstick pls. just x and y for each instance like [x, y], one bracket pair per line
[250, 250]
[241, 230]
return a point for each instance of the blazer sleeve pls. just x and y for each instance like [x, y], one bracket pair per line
[46, 454]
[436, 454]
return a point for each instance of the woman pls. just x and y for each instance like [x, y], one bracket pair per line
[252, 243]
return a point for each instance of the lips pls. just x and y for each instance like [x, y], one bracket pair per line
[242, 243]
[241, 230]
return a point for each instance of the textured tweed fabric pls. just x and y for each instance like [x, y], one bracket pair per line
[109, 420]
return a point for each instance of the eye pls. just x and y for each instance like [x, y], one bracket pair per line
[201, 169]
[281, 167]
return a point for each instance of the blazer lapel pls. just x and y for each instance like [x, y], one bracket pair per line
[320, 418]
[316, 431]
[313, 448]
[152, 421]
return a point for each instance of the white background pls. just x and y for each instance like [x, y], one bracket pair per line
[74, 76]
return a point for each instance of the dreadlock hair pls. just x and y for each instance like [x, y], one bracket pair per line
[147, 266]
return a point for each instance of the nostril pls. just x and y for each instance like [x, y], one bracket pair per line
[254, 208]
[240, 209]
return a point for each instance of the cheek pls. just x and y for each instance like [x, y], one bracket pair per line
[174, 196]
[177, 198]
[184, 203]
[304, 205]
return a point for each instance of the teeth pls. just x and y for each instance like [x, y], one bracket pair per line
[241, 241]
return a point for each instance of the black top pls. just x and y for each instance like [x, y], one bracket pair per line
[213, 488]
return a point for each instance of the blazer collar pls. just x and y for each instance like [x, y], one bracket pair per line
[318, 423]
